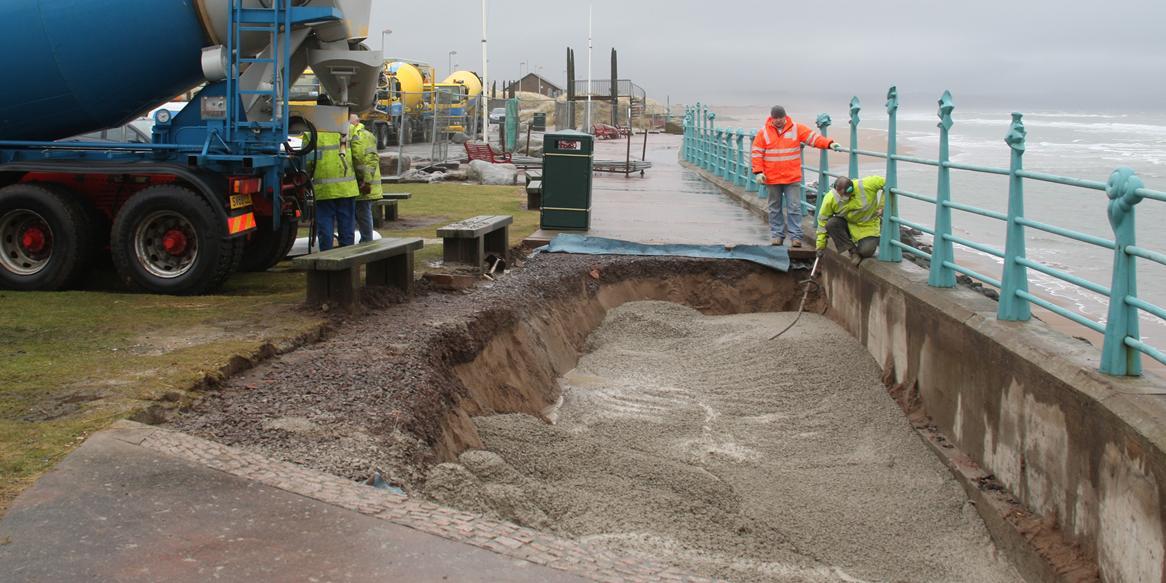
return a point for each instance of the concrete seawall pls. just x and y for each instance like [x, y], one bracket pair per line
[1080, 453]
[1082, 450]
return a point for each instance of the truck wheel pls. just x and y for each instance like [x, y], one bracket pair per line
[46, 238]
[265, 247]
[168, 239]
[382, 139]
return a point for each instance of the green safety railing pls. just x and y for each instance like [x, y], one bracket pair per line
[725, 152]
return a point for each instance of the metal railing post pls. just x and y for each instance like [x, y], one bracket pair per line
[802, 179]
[739, 177]
[702, 134]
[1117, 357]
[823, 122]
[725, 153]
[717, 140]
[1014, 277]
[941, 248]
[723, 141]
[711, 150]
[684, 149]
[750, 184]
[889, 234]
[855, 107]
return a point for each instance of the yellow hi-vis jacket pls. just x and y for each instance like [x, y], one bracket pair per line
[333, 175]
[367, 161]
[861, 211]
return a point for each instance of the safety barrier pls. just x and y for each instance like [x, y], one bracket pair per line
[725, 152]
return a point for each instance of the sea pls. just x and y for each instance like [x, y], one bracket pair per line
[1088, 145]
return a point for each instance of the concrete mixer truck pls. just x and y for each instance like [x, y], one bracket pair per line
[219, 186]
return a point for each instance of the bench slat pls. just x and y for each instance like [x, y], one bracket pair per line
[474, 226]
[397, 195]
[347, 257]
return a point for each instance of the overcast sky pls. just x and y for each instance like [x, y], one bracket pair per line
[1017, 54]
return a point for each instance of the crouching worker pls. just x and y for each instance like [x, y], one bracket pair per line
[851, 215]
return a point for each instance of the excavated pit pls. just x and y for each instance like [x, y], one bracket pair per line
[679, 431]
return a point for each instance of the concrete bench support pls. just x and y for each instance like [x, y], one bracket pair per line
[470, 241]
[334, 276]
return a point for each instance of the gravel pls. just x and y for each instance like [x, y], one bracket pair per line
[695, 440]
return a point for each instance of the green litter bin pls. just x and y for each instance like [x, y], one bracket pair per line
[567, 162]
[539, 122]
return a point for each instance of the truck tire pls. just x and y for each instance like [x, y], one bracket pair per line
[266, 247]
[46, 238]
[167, 239]
[382, 135]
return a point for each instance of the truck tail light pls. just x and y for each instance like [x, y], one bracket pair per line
[245, 184]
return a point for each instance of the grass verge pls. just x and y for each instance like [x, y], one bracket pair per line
[436, 205]
[73, 362]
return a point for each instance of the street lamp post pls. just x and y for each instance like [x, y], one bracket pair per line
[485, 81]
[449, 62]
[538, 73]
[384, 33]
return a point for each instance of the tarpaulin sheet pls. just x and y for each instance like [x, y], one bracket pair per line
[772, 256]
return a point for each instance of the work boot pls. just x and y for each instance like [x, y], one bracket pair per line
[797, 244]
[777, 242]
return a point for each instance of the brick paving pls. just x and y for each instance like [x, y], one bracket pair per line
[500, 537]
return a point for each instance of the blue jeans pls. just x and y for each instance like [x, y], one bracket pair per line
[364, 219]
[787, 198]
[335, 216]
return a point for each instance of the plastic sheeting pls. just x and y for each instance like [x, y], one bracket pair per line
[771, 256]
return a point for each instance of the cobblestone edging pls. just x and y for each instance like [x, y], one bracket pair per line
[500, 537]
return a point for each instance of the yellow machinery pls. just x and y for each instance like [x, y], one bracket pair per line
[402, 99]
[409, 96]
[467, 87]
[306, 90]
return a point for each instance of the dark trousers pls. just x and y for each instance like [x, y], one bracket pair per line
[337, 215]
[839, 231]
[364, 219]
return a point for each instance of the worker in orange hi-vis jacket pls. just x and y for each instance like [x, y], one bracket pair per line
[777, 165]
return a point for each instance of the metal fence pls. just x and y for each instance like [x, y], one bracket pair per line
[725, 153]
[422, 125]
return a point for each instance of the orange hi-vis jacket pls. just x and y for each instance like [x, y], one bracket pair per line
[779, 154]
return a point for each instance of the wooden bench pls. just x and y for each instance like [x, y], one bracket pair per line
[534, 189]
[385, 209]
[469, 241]
[482, 151]
[534, 194]
[334, 275]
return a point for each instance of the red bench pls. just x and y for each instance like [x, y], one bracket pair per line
[603, 131]
[481, 151]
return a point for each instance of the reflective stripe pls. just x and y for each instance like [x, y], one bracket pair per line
[812, 137]
[783, 150]
[782, 158]
[327, 181]
[325, 148]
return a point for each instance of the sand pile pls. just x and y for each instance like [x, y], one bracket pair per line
[694, 440]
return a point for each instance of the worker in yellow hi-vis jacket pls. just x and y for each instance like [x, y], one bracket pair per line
[851, 215]
[334, 183]
[367, 162]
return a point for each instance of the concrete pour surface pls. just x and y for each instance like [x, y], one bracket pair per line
[697, 441]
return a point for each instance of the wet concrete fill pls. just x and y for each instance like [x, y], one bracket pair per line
[669, 205]
[695, 440]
